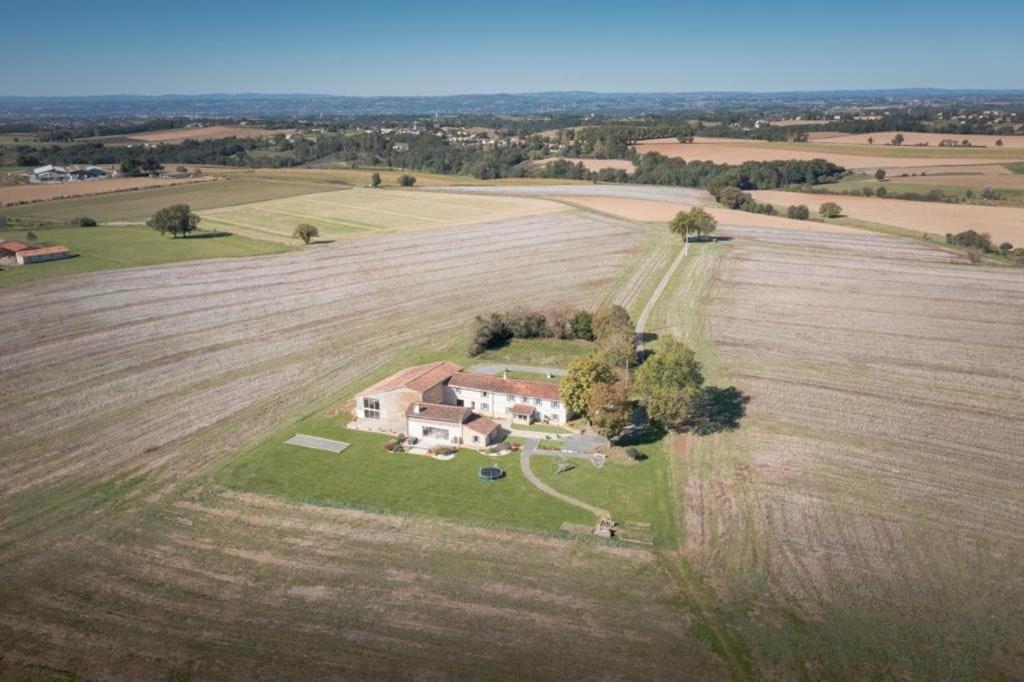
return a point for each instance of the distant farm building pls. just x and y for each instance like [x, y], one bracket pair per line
[41, 254]
[10, 249]
[51, 174]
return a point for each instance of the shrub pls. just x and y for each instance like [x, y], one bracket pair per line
[869, 192]
[84, 222]
[881, 192]
[391, 445]
[406, 180]
[830, 209]
[800, 212]
[1006, 246]
[971, 240]
[880, 174]
[443, 450]
[31, 237]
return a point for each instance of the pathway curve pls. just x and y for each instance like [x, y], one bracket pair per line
[645, 314]
[524, 461]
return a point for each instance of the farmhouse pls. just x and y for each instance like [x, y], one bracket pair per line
[441, 403]
[88, 173]
[41, 254]
[49, 174]
[10, 248]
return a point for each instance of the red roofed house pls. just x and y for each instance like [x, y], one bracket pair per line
[40, 254]
[10, 248]
[440, 403]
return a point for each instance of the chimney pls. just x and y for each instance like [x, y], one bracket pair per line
[418, 408]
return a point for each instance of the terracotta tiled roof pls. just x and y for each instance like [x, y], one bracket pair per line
[439, 413]
[44, 250]
[496, 384]
[480, 424]
[419, 378]
[520, 408]
[12, 245]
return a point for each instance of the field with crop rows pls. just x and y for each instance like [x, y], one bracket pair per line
[361, 210]
[868, 509]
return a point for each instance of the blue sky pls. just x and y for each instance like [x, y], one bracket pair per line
[418, 48]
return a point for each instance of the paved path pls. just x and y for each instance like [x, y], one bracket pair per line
[645, 314]
[524, 462]
[497, 369]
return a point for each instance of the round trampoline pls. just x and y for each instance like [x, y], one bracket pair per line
[491, 473]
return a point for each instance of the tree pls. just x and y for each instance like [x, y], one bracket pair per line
[375, 179]
[830, 209]
[696, 220]
[880, 174]
[898, 139]
[84, 222]
[608, 318]
[799, 212]
[131, 168]
[881, 192]
[306, 232]
[609, 407]
[488, 332]
[582, 325]
[406, 180]
[669, 383]
[176, 219]
[999, 143]
[31, 237]
[581, 375]
[613, 331]
[871, 140]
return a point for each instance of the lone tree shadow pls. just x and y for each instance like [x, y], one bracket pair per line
[718, 409]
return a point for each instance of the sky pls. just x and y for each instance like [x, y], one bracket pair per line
[422, 48]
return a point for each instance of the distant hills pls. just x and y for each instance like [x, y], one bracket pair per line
[607, 104]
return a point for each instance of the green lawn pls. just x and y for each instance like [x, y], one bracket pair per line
[1017, 168]
[366, 476]
[138, 205]
[553, 444]
[638, 491]
[542, 428]
[893, 186]
[538, 352]
[105, 248]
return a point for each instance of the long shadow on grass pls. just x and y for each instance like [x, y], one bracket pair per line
[718, 409]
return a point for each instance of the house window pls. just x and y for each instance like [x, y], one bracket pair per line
[458, 390]
[483, 394]
[435, 432]
[510, 397]
[476, 439]
[371, 408]
[554, 404]
[538, 402]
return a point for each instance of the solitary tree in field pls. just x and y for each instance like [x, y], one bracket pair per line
[871, 140]
[798, 212]
[696, 220]
[880, 174]
[31, 237]
[406, 181]
[898, 139]
[830, 209]
[375, 180]
[176, 219]
[306, 232]
[999, 143]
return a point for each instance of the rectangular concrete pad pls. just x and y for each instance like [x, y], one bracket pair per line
[317, 443]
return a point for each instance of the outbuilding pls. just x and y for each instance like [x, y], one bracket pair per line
[41, 254]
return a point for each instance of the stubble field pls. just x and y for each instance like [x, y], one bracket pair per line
[121, 555]
[362, 210]
[31, 193]
[865, 519]
[1004, 223]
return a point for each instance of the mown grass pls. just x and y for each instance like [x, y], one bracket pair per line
[532, 376]
[637, 491]
[541, 428]
[1017, 168]
[539, 352]
[107, 248]
[367, 476]
[138, 205]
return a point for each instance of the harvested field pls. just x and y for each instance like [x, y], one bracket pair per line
[361, 211]
[683, 195]
[865, 520]
[137, 206]
[662, 211]
[594, 164]
[932, 139]
[853, 157]
[206, 133]
[24, 194]
[119, 555]
[995, 180]
[1003, 223]
[336, 175]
